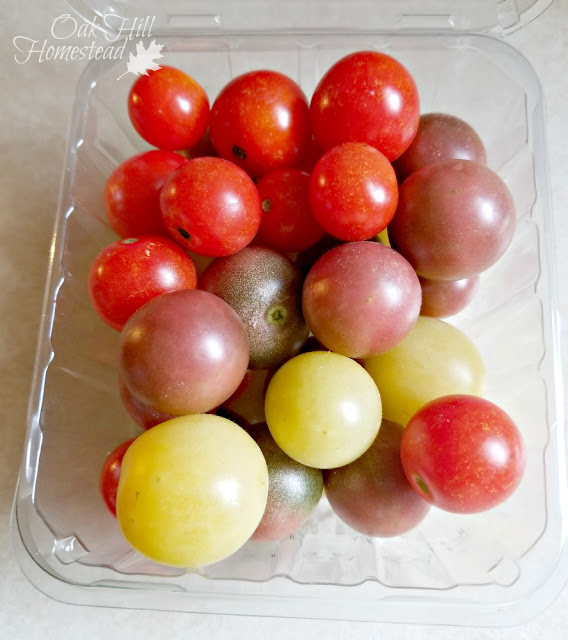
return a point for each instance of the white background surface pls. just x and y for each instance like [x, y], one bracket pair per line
[35, 103]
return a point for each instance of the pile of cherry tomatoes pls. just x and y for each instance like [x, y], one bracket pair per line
[279, 285]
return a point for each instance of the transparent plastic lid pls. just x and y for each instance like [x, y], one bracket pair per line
[500, 16]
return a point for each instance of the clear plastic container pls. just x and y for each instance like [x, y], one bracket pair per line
[496, 568]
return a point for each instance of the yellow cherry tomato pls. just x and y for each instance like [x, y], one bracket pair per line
[192, 490]
[433, 360]
[323, 409]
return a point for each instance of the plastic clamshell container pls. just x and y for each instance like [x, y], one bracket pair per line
[496, 568]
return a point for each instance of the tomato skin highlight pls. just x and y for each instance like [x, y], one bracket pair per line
[463, 453]
[369, 97]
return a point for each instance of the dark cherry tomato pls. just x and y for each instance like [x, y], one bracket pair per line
[144, 416]
[294, 490]
[366, 97]
[440, 137]
[132, 193]
[361, 299]
[260, 121]
[130, 272]
[443, 298]
[287, 222]
[183, 352]
[211, 207]
[462, 453]
[372, 494]
[110, 475]
[353, 191]
[169, 109]
[454, 219]
[265, 288]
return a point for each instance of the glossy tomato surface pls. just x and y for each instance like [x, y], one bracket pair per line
[434, 359]
[443, 298]
[463, 453]
[287, 221]
[110, 475]
[183, 352]
[265, 288]
[369, 97]
[454, 219]
[168, 108]
[211, 207]
[260, 121]
[372, 494]
[361, 298]
[353, 191]
[192, 490]
[323, 409]
[440, 136]
[128, 273]
[132, 193]
[294, 490]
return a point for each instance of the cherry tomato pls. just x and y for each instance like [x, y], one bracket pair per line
[192, 490]
[361, 299]
[443, 298]
[463, 453]
[433, 360]
[323, 409]
[440, 137]
[211, 207]
[265, 288]
[371, 494]
[294, 490]
[169, 109]
[183, 352]
[110, 475]
[287, 222]
[144, 416]
[366, 97]
[130, 272]
[132, 193]
[260, 121]
[353, 191]
[454, 219]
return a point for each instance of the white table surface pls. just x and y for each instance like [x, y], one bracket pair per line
[36, 103]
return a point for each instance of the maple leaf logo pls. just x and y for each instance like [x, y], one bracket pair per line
[143, 61]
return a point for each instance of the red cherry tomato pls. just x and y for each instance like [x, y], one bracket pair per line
[260, 121]
[211, 207]
[462, 453]
[353, 191]
[287, 222]
[169, 109]
[132, 193]
[366, 97]
[110, 475]
[130, 272]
